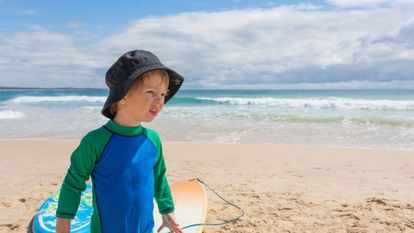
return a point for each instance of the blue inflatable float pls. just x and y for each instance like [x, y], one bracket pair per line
[45, 219]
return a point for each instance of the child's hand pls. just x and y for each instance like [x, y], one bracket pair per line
[168, 221]
[62, 225]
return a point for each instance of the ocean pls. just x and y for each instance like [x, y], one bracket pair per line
[345, 118]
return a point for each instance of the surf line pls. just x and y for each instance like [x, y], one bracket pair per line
[225, 222]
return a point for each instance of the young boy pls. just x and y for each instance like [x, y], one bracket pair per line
[124, 159]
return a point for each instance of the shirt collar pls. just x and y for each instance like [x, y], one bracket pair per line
[123, 130]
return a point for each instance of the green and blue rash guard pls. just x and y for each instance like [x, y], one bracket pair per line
[127, 169]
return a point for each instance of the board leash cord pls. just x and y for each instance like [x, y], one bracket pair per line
[225, 222]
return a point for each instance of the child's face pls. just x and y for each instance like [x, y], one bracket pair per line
[145, 102]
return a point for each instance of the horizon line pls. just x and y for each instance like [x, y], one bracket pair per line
[207, 89]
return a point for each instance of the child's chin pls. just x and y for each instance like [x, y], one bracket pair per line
[148, 120]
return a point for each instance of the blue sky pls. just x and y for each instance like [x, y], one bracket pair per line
[213, 43]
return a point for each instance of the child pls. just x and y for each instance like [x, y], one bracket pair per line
[124, 159]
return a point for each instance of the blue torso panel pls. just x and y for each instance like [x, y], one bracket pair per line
[123, 178]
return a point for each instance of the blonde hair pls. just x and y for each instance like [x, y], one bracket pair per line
[139, 82]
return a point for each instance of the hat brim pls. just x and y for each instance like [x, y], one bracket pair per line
[115, 95]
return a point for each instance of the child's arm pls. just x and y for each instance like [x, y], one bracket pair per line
[62, 225]
[82, 162]
[162, 192]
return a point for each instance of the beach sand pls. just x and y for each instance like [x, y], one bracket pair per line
[282, 188]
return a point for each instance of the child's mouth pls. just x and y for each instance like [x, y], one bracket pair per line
[153, 112]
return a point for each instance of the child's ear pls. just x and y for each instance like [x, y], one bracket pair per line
[122, 101]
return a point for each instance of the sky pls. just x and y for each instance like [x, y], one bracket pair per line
[214, 44]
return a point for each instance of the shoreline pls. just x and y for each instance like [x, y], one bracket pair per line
[292, 188]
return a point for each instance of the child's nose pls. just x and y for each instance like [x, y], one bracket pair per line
[159, 99]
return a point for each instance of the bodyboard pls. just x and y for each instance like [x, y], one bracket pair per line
[190, 202]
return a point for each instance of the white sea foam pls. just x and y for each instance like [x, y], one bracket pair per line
[331, 102]
[67, 98]
[5, 115]
[94, 109]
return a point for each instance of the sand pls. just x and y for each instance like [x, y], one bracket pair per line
[282, 188]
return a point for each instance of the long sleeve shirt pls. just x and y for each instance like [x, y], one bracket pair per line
[128, 169]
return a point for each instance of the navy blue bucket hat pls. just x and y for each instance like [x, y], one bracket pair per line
[122, 74]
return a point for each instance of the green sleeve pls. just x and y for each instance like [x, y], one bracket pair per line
[82, 163]
[162, 192]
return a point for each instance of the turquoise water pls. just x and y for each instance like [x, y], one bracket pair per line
[352, 118]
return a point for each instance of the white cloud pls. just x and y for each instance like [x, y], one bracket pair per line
[237, 46]
[40, 57]
[358, 3]
[286, 46]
